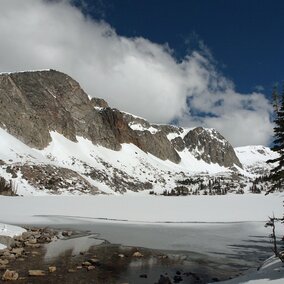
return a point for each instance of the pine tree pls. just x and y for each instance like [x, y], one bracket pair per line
[277, 173]
[275, 98]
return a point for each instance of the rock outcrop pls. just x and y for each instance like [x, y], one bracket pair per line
[211, 146]
[34, 103]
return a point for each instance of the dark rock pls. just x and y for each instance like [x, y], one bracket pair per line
[66, 233]
[194, 275]
[167, 129]
[177, 279]
[164, 280]
[52, 178]
[96, 102]
[6, 187]
[94, 261]
[211, 146]
[157, 144]
[26, 235]
[178, 143]
[7, 241]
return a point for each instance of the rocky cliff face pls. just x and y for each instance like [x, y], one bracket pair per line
[211, 146]
[32, 104]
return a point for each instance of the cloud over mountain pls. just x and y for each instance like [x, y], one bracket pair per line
[132, 74]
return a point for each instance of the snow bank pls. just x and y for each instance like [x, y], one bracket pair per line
[272, 272]
[10, 231]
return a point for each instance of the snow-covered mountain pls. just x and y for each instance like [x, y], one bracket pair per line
[253, 158]
[55, 139]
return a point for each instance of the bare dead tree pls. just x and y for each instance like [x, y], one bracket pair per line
[271, 223]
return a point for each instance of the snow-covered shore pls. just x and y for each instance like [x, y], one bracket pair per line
[272, 272]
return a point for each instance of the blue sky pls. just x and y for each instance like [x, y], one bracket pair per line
[245, 37]
[209, 63]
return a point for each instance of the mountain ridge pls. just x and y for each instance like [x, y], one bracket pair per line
[40, 107]
[46, 101]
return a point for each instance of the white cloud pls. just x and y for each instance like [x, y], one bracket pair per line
[132, 74]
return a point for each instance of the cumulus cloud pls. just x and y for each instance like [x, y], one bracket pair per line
[132, 74]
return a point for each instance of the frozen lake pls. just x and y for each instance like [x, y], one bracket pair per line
[228, 238]
[243, 243]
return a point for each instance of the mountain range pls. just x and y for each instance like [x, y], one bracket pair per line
[56, 139]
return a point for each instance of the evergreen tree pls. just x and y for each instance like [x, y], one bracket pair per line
[275, 98]
[277, 173]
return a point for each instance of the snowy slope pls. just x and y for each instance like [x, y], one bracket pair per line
[129, 165]
[250, 155]
[254, 158]
[127, 170]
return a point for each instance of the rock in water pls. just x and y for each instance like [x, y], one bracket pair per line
[10, 275]
[52, 269]
[137, 254]
[36, 273]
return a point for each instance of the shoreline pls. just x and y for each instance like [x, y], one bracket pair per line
[121, 263]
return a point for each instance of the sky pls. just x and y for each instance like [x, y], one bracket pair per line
[192, 63]
[246, 36]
